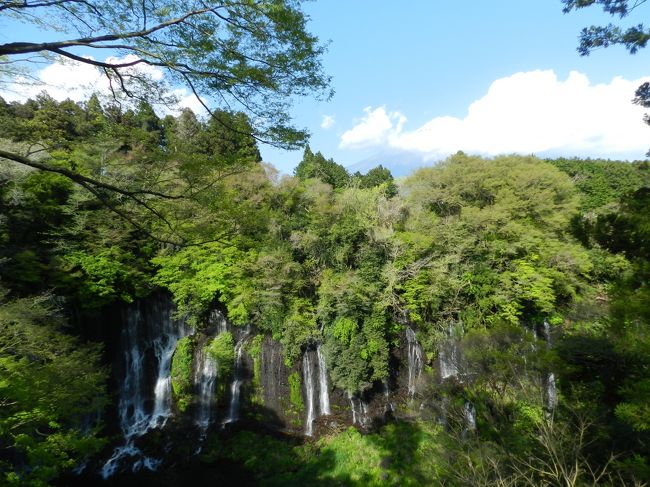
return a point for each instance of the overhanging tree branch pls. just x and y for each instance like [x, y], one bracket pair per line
[253, 55]
[12, 48]
[78, 178]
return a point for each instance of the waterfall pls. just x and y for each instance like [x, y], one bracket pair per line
[205, 379]
[546, 329]
[551, 390]
[449, 356]
[389, 406]
[448, 361]
[415, 360]
[323, 386]
[164, 347]
[359, 410]
[310, 392]
[353, 409]
[308, 373]
[219, 321]
[469, 413]
[149, 331]
[238, 378]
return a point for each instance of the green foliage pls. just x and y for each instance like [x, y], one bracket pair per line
[499, 356]
[636, 410]
[482, 249]
[103, 278]
[48, 382]
[222, 349]
[299, 328]
[197, 275]
[378, 176]
[401, 453]
[594, 37]
[181, 372]
[603, 182]
[255, 346]
[295, 392]
[344, 330]
[496, 239]
[316, 166]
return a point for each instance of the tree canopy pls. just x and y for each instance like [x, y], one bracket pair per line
[235, 55]
[244, 61]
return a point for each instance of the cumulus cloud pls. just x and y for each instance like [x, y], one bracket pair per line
[328, 122]
[530, 112]
[61, 80]
[75, 80]
[376, 127]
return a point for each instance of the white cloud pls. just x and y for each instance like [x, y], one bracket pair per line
[187, 100]
[375, 128]
[328, 122]
[77, 81]
[531, 112]
[63, 79]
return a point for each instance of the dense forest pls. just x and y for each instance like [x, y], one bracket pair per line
[516, 286]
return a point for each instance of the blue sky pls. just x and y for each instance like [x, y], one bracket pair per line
[417, 80]
[433, 58]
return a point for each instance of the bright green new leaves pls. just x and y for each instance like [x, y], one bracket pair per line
[498, 243]
[198, 275]
[295, 392]
[222, 349]
[103, 278]
[181, 372]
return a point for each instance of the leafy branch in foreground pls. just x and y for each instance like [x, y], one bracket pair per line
[245, 55]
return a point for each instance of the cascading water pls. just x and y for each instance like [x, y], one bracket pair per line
[448, 356]
[310, 392]
[205, 378]
[219, 321]
[359, 410]
[546, 329]
[389, 407]
[551, 389]
[322, 407]
[415, 360]
[150, 330]
[238, 377]
[323, 386]
[448, 361]
[469, 413]
[353, 409]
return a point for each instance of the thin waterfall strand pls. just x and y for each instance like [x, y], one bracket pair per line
[238, 377]
[323, 386]
[307, 372]
[205, 379]
[415, 360]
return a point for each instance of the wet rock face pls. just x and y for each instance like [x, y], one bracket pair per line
[274, 383]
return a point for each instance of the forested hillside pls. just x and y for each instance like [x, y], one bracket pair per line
[481, 322]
